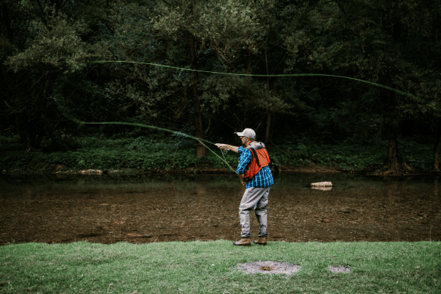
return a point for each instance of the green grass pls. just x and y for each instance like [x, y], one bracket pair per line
[207, 267]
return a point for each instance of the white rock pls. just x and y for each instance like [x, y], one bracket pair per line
[322, 184]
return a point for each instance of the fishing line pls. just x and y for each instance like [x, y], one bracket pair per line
[264, 75]
[223, 152]
[69, 116]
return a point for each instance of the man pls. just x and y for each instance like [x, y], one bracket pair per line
[254, 172]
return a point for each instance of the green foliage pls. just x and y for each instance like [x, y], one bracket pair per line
[349, 155]
[223, 26]
[212, 161]
[9, 143]
[145, 144]
[99, 153]
[56, 43]
[417, 155]
[44, 49]
[145, 153]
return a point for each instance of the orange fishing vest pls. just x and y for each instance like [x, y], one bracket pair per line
[260, 160]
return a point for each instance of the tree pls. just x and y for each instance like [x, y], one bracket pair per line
[375, 40]
[222, 27]
[242, 102]
[47, 44]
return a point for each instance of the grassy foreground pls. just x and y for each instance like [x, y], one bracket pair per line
[207, 267]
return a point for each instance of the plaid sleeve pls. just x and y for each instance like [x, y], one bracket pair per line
[245, 159]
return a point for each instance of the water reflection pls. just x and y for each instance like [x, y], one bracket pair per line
[321, 188]
[294, 181]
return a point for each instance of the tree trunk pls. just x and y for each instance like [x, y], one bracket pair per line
[249, 71]
[30, 121]
[268, 124]
[395, 163]
[268, 109]
[28, 131]
[199, 131]
[436, 153]
[244, 118]
[7, 22]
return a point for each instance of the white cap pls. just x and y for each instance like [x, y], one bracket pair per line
[249, 133]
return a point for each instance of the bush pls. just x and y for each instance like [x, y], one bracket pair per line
[149, 153]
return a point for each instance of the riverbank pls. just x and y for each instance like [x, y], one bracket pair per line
[193, 170]
[142, 155]
[204, 170]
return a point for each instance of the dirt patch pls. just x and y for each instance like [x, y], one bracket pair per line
[173, 213]
[268, 267]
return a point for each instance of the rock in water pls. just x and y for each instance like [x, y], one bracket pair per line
[322, 184]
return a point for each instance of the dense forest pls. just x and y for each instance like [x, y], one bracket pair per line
[222, 58]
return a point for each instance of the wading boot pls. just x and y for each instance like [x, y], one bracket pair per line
[260, 241]
[243, 242]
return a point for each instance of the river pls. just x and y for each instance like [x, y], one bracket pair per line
[146, 208]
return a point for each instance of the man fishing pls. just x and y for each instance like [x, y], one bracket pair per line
[254, 172]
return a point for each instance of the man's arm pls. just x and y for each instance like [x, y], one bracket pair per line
[234, 149]
[228, 147]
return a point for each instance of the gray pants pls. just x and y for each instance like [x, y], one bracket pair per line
[256, 198]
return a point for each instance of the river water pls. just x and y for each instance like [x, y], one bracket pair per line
[146, 208]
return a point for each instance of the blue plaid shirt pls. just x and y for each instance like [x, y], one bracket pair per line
[263, 179]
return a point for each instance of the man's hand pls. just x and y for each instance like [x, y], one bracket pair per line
[242, 179]
[220, 146]
[227, 147]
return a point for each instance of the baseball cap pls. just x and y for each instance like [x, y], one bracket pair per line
[250, 133]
